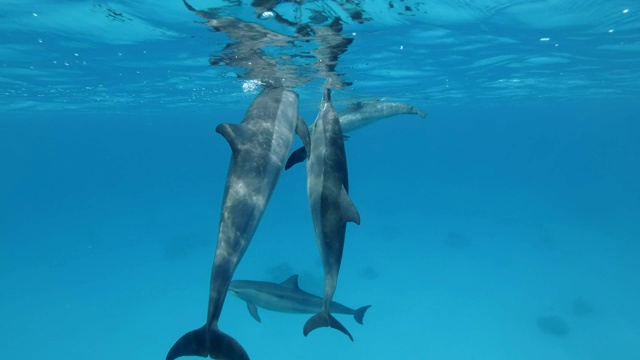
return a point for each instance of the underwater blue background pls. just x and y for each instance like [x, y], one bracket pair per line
[502, 206]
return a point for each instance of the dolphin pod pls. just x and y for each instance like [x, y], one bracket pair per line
[259, 148]
[286, 297]
[259, 145]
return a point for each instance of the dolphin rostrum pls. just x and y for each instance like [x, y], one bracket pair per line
[331, 207]
[259, 148]
[360, 114]
[286, 297]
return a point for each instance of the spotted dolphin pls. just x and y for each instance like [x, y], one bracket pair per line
[363, 113]
[331, 207]
[259, 148]
[360, 114]
[286, 297]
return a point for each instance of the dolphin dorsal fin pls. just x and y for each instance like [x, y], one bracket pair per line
[348, 209]
[235, 134]
[291, 282]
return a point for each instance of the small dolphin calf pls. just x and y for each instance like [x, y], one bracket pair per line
[331, 207]
[358, 115]
[259, 147]
[286, 297]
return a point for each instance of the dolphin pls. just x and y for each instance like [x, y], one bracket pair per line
[259, 148]
[363, 113]
[286, 297]
[331, 207]
[358, 115]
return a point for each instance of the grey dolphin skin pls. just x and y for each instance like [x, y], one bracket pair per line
[331, 207]
[363, 113]
[259, 148]
[286, 297]
[360, 114]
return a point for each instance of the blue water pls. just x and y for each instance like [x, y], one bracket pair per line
[516, 199]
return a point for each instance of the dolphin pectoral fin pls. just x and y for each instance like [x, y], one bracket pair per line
[323, 319]
[253, 310]
[218, 345]
[193, 343]
[348, 210]
[358, 314]
[235, 134]
[303, 133]
[298, 156]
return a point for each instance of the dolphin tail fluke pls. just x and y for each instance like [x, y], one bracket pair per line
[220, 346]
[224, 347]
[323, 319]
[297, 156]
[359, 313]
[193, 343]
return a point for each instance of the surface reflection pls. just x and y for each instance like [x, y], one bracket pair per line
[294, 54]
